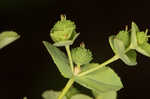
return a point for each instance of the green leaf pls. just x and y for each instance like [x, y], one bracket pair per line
[118, 47]
[72, 91]
[107, 95]
[129, 58]
[144, 49]
[102, 80]
[50, 94]
[65, 43]
[7, 37]
[80, 96]
[124, 37]
[59, 59]
[111, 42]
[89, 66]
[25, 98]
[134, 30]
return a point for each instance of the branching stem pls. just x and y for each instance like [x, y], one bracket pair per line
[114, 58]
[71, 81]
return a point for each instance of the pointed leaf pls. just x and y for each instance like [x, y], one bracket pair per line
[72, 91]
[141, 48]
[119, 46]
[134, 30]
[50, 94]
[25, 98]
[124, 37]
[116, 45]
[7, 37]
[65, 43]
[80, 96]
[129, 58]
[111, 42]
[102, 80]
[59, 59]
[144, 49]
[89, 66]
[107, 95]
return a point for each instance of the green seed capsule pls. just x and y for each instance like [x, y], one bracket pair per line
[63, 30]
[141, 37]
[81, 55]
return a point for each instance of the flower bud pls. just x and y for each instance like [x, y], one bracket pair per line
[63, 30]
[81, 55]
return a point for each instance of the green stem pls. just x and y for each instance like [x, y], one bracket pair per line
[69, 56]
[67, 87]
[114, 58]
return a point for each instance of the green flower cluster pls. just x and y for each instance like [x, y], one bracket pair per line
[139, 40]
[81, 55]
[142, 38]
[63, 30]
[127, 42]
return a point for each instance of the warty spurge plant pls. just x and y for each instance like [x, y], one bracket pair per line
[77, 66]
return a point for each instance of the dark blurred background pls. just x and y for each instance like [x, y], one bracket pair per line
[26, 69]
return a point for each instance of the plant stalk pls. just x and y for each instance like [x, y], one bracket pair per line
[114, 58]
[69, 56]
[67, 87]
